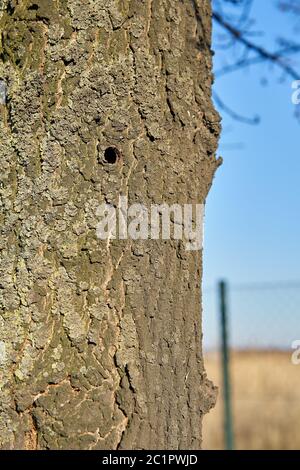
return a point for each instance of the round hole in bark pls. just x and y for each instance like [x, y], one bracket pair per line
[112, 155]
[34, 6]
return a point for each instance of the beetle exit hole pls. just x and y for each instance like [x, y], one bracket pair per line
[112, 155]
[33, 7]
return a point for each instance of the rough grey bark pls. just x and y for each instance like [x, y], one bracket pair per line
[100, 342]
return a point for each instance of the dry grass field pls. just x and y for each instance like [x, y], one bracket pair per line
[266, 401]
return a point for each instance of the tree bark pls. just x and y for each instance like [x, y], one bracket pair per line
[100, 344]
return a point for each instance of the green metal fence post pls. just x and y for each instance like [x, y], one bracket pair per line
[228, 421]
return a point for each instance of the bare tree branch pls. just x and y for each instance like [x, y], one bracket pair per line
[263, 53]
[237, 117]
[243, 63]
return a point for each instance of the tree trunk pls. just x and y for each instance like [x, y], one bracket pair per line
[100, 343]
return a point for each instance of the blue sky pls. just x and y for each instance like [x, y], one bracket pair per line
[252, 227]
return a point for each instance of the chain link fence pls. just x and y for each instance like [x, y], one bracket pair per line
[259, 383]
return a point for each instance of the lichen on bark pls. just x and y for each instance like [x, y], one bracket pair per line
[100, 344]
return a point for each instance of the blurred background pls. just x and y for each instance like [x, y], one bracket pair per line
[252, 229]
